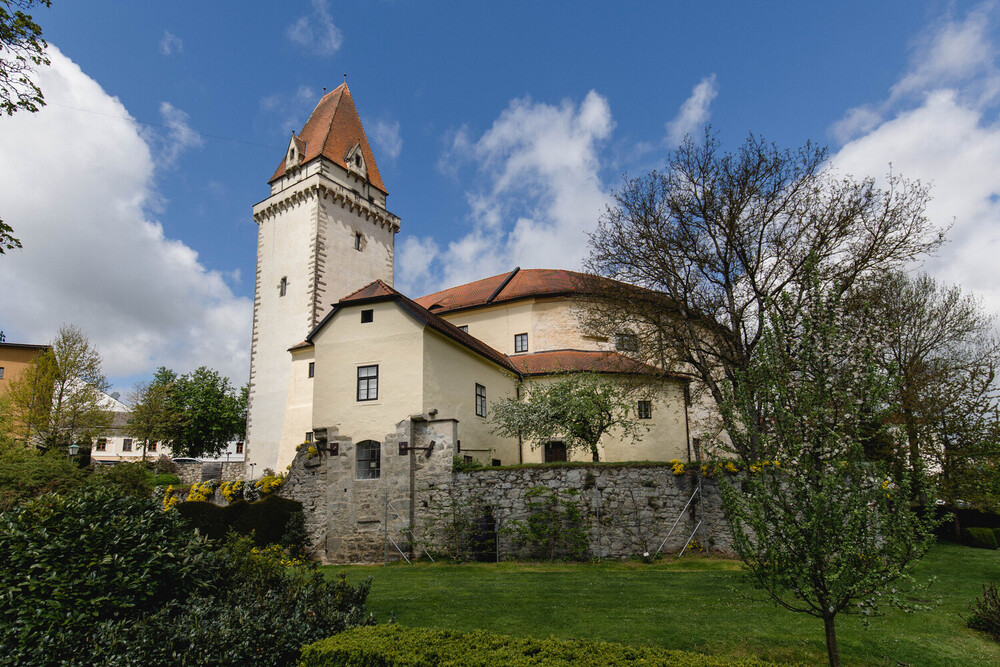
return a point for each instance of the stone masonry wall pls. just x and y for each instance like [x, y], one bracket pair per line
[636, 506]
[626, 510]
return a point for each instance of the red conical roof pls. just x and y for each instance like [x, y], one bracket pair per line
[332, 130]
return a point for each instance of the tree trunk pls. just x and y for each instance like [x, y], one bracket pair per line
[596, 456]
[831, 641]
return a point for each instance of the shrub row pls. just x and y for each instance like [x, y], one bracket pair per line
[983, 538]
[394, 645]
[267, 520]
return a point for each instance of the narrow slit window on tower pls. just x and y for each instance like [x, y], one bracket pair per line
[283, 286]
[358, 237]
[312, 369]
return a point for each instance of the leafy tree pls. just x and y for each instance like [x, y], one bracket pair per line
[717, 237]
[208, 413]
[152, 417]
[820, 527]
[944, 350]
[25, 473]
[577, 408]
[59, 400]
[7, 240]
[21, 49]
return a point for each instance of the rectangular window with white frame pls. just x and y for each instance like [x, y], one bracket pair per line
[127, 445]
[520, 342]
[368, 383]
[480, 400]
[645, 410]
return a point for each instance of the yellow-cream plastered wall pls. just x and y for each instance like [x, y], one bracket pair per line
[392, 340]
[298, 408]
[451, 372]
[661, 438]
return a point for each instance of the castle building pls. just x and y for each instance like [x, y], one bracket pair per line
[339, 355]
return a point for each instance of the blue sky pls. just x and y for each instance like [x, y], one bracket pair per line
[500, 130]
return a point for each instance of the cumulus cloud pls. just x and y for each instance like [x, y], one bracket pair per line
[536, 195]
[938, 124]
[387, 139]
[316, 32]
[93, 255]
[171, 44]
[694, 113]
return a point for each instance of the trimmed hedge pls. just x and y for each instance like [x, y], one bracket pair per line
[265, 520]
[394, 645]
[983, 538]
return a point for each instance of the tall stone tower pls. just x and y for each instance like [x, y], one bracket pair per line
[323, 233]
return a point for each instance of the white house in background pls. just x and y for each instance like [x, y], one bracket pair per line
[337, 350]
[117, 444]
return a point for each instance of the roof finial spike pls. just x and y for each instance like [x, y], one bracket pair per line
[345, 78]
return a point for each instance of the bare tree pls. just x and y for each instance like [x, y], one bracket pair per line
[717, 237]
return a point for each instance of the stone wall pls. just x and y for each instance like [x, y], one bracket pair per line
[625, 510]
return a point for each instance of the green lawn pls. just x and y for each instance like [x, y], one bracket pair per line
[697, 604]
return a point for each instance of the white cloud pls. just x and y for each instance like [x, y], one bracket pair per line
[179, 136]
[936, 125]
[92, 254]
[694, 113]
[171, 44]
[386, 137]
[316, 32]
[537, 195]
[288, 111]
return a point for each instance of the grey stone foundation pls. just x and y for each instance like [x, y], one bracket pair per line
[626, 510]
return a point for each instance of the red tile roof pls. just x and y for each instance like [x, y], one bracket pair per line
[379, 291]
[518, 284]
[597, 361]
[332, 130]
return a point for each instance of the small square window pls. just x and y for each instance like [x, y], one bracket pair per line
[495, 462]
[312, 369]
[368, 383]
[283, 286]
[102, 445]
[480, 400]
[239, 447]
[521, 342]
[127, 445]
[367, 316]
[626, 342]
[465, 328]
[152, 446]
[645, 409]
[309, 438]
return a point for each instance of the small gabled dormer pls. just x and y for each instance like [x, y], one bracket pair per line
[355, 161]
[296, 151]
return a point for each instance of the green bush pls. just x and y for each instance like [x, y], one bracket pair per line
[71, 563]
[26, 473]
[983, 538]
[263, 615]
[130, 478]
[986, 612]
[266, 520]
[397, 646]
[165, 479]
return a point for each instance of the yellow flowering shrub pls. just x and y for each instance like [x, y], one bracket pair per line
[677, 466]
[169, 499]
[276, 554]
[201, 492]
[269, 484]
[232, 491]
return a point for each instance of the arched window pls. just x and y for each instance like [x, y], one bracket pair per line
[369, 459]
